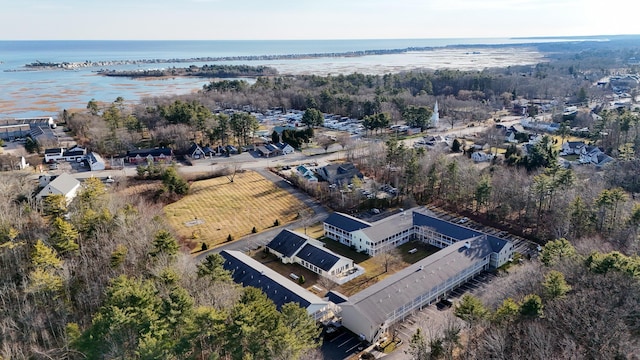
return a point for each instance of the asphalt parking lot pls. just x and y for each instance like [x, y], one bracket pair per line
[342, 345]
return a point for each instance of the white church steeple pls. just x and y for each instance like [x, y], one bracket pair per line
[435, 117]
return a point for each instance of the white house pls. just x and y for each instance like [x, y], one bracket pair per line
[291, 247]
[572, 147]
[481, 156]
[286, 148]
[63, 184]
[96, 162]
[54, 154]
[75, 153]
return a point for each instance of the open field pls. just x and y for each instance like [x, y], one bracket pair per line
[216, 208]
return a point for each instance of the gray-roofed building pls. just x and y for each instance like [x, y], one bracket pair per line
[37, 127]
[63, 184]
[370, 312]
[279, 289]
[339, 173]
[96, 162]
[292, 247]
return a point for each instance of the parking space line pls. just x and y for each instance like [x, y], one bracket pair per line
[344, 343]
[351, 348]
[337, 337]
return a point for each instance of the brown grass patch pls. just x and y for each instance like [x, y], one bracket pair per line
[222, 208]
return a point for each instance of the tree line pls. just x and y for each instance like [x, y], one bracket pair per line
[76, 283]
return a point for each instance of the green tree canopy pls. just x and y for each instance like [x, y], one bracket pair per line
[312, 117]
[555, 285]
[531, 306]
[557, 250]
[211, 268]
[63, 236]
[471, 309]
[164, 243]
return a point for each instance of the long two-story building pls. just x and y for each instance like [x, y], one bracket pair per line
[413, 224]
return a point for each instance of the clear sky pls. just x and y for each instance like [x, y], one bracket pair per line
[311, 19]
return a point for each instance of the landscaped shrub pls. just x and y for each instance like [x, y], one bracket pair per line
[301, 279]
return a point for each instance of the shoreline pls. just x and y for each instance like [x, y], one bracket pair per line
[66, 65]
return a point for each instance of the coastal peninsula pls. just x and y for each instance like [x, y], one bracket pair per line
[40, 65]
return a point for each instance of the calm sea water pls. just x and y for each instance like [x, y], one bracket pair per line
[47, 92]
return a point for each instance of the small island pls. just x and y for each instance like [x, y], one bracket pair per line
[208, 71]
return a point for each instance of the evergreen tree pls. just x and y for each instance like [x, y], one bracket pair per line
[63, 236]
[555, 286]
[164, 243]
[531, 306]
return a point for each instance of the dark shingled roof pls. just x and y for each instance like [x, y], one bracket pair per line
[346, 222]
[246, 275]
[336, 297]
[287, 242]
[318, 257]
[444, 227]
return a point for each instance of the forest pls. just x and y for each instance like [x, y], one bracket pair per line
[103, 277]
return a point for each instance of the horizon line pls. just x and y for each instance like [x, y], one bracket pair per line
[358, 39]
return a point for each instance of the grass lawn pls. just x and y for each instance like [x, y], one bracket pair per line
[572, 157]
[314, 231]
[375, 266]
[216, 208]
[273, 263]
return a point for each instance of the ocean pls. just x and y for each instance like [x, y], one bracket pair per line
[26, 93]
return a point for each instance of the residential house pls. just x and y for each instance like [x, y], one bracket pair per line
[481, 156]
[434, 140]
[96, 162]
[139, 156]
[594, 155]
[268, 150]
[76, 154]
[53, 155]
[285, 148]
[63, 184]
[306, 173]
[572, 147]
[12, 162]
[291, 247]
[281, 290]
[510, 136]
[195, 152]
[339, 174]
